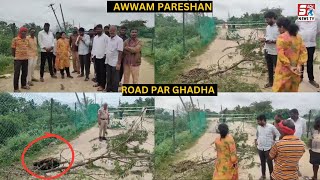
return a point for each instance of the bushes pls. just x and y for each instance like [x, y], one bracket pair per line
[170, 57]
[164, 150]
[6, 64]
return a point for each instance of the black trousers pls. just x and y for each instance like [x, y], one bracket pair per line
[311, 51]
[271, 64]
[121, 71]
[101, 72]
[20, 65]
[112, 79]
[264, 158]
[53, 64]
[49, 57]
[85, 64]
[67, 71]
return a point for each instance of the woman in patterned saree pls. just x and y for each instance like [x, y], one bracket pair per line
[292, 54]
[226, 165]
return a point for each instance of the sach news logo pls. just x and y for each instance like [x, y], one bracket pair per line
[306, 12]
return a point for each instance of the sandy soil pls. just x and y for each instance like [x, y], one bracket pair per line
[214, 52]
[204, 149]
[76, 84]
[85, 144]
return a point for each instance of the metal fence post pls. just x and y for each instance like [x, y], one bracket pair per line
[174, 131]
[50, 121]
[75, 115]
[309, 124]
[183, 34]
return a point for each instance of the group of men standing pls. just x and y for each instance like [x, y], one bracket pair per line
[281, 142]
[307, 30]
[114, 56]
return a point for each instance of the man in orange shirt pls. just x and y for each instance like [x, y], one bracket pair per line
[20, 47]
[33, 56]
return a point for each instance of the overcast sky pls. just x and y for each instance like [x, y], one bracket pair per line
[239, 7]
[70, 98]
[302, 101]
[86, 12]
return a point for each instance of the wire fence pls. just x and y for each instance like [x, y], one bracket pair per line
[171, 124]
[25, 117]
[179, 36]
[252, 118]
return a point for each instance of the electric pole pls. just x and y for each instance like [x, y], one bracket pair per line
[64, 22]
[192, 103]
[54, 12]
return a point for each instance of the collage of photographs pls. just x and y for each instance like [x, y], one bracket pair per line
[63, 115]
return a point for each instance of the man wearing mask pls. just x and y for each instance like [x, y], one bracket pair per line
[98, 54]
[287, 152]
[113, 61]
[33, 56]
[83, 43]
[74, 51]
[270, 40]
[20, 47]
[46, 43]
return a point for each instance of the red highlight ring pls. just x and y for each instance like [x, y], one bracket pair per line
[47, 135]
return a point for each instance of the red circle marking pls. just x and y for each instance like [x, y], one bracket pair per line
[47, 135]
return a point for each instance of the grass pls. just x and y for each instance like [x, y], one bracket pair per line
[166, 156]
[147, 50]
[11, 151]
[6, 64]
[182, 62]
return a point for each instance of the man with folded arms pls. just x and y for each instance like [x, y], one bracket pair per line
[46, 43]
[132, 57]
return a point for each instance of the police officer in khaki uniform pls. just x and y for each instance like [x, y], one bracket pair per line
[103, 121]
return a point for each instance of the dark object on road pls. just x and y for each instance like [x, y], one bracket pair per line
[46, 164]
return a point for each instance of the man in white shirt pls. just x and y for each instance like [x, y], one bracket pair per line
[309, 30]
[46, 43]
[299, 123]
[83, 43]
[270, 40]
[99, 47]
[264, 141]
[103, 121]
[113, 61]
